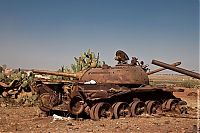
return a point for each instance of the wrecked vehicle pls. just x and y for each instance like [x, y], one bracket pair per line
[110, 92]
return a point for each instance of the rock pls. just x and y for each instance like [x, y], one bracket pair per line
[3, 105]
[195, 128]
[155, 123]
[117, 127]
[102, 125]
[89, 130]
[5, 94]
[167, 122]
[76, 128]
[192, 94]
[183, 130]
[70, 124]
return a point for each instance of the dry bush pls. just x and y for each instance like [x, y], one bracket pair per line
[190, 83]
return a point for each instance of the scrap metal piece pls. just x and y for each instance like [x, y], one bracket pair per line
[121, 57]
[2, 84]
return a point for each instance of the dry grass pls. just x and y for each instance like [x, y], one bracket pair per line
[174, 79]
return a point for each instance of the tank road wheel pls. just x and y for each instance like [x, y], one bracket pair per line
[121, 109]
[76, 105]
[152, 107]
[137, 108]
[103, 110]
[170, 105]
[92, 112]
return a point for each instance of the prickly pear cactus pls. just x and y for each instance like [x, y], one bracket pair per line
[86, 60]
[18, 82]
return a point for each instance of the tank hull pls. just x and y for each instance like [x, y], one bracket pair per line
[82, 99]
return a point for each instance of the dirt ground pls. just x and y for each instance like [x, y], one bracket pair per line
[26, 119]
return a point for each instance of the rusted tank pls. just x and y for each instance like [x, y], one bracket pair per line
[108, 92]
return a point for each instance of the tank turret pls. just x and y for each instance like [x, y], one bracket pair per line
[120, 74]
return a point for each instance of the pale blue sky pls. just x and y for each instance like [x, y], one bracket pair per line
[45, 34]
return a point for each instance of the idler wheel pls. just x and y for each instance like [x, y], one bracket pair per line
[121, 109]
[182, 107]
[175, 105]
[137, 108]
[152, 107]
[76, 105]
[47, 101]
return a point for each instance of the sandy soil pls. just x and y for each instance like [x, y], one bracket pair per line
[25, 119]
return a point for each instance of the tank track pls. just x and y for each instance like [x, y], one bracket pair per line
[79, 103]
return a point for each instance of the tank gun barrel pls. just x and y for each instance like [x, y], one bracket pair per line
[74, 75]
[161, 69]
[176, 69]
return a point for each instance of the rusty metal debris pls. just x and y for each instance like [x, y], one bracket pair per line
[121, 57]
